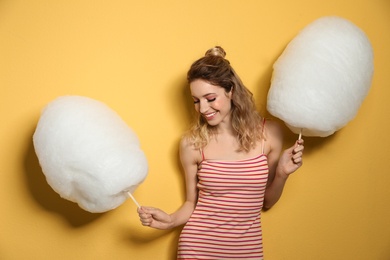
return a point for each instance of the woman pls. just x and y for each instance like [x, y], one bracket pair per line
[232, 164]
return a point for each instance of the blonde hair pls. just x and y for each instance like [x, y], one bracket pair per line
[246, 121]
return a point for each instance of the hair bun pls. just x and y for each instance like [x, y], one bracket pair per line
[216, 51]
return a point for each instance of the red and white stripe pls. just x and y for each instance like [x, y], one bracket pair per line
[226, 221]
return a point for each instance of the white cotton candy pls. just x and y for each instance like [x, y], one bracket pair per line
[322, 77]
[88, 153]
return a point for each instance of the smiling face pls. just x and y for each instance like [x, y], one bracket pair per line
[212, 102]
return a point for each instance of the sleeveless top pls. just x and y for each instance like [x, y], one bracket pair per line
[226, 222]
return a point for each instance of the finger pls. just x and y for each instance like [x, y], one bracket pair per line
[146, 221]
[299, 146]
[152, 211]
[144, 216]
[297, 155]
[297, 160]
[298, 149]
[147, 210]
[298, 165]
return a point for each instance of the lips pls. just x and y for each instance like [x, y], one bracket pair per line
[209, 116]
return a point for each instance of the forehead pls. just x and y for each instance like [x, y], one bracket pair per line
[201, 88]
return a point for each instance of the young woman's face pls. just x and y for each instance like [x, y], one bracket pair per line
[211, 101]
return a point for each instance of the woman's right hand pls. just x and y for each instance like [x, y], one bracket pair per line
[154, 218]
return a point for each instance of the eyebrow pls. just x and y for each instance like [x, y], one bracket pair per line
[206, 95]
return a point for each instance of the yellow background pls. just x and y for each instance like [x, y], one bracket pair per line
[133, 56]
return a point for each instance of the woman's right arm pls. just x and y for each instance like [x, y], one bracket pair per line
[157, 218]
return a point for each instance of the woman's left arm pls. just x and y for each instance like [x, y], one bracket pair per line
[280, 166]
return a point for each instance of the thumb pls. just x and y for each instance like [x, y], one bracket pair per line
[148, 210]
[296, 144]
[143, 209]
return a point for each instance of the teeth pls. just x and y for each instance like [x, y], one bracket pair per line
[210, 115]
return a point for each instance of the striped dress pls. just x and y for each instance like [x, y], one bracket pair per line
[226, 222]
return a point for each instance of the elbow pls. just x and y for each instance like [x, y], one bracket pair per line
[267, 207]
[268, 204]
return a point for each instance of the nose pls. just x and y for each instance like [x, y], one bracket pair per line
[203, 106]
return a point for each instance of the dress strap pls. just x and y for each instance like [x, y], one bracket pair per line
[262, 139]
[201, 153]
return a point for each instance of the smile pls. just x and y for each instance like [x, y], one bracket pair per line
[209, 116]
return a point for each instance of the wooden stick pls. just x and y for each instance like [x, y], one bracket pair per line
[132, 197]
[300, 135]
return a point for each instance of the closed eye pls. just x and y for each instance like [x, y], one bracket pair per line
[196, 101]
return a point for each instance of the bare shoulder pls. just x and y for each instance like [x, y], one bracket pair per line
[273, 133]
[188, 153]
[273, 129]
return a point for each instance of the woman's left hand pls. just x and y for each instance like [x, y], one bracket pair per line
[291, 159]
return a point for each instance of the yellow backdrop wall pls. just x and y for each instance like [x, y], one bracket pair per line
[133, 56]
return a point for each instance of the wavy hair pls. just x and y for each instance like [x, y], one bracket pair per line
[246, 121]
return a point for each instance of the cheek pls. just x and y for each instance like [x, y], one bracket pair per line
[222, 105]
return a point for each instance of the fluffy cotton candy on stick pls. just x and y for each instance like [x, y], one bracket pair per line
[88, 153]
[322, 77]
